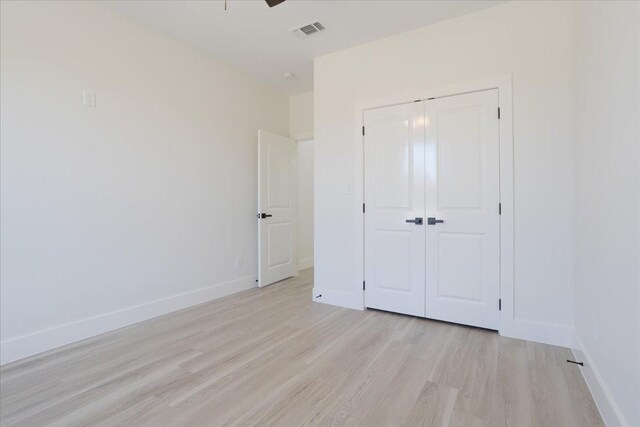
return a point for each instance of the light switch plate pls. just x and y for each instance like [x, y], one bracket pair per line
[89, 99]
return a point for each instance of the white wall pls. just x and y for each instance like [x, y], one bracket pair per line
[301, 128]
[607, 204]
[301, 116]
[125, 211]
[305, 203]
[533, 42]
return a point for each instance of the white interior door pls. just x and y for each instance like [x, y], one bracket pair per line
[276, 208]
[463, 252]
[395, 193]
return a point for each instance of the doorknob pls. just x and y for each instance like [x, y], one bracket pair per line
[416, 221]
[264, 215]
[434, 221]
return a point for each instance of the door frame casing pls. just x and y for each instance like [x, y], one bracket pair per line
[504, 86]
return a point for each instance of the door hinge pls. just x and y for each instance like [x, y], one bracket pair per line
[500, 304]
[498, 113]
[363, 285]
[499, 208]
[363, 208]
[362, 130]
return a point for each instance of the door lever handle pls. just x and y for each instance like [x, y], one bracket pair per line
[264, 215]
[434, 221]
[416, 221]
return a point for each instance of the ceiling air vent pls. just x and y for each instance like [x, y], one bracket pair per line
[308, 29]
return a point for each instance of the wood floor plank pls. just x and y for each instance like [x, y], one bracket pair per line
[433, 407]
[511, 399]
[272, 357]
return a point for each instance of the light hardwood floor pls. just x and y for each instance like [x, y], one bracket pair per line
[272, 357]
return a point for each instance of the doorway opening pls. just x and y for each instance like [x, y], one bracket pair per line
[458, 244]
[285, 207]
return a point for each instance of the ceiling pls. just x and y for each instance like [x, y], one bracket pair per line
[256, 40]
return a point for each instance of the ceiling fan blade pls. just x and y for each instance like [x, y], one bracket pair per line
[272, 3]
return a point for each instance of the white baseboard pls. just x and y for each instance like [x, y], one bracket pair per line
[545, 333]
[27, 345]
[341, 299]
[301, 136]
[611, 414]
[305, 263]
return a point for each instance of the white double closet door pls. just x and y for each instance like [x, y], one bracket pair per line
[432, 226]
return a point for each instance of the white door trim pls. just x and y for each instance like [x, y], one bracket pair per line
[507, 323]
